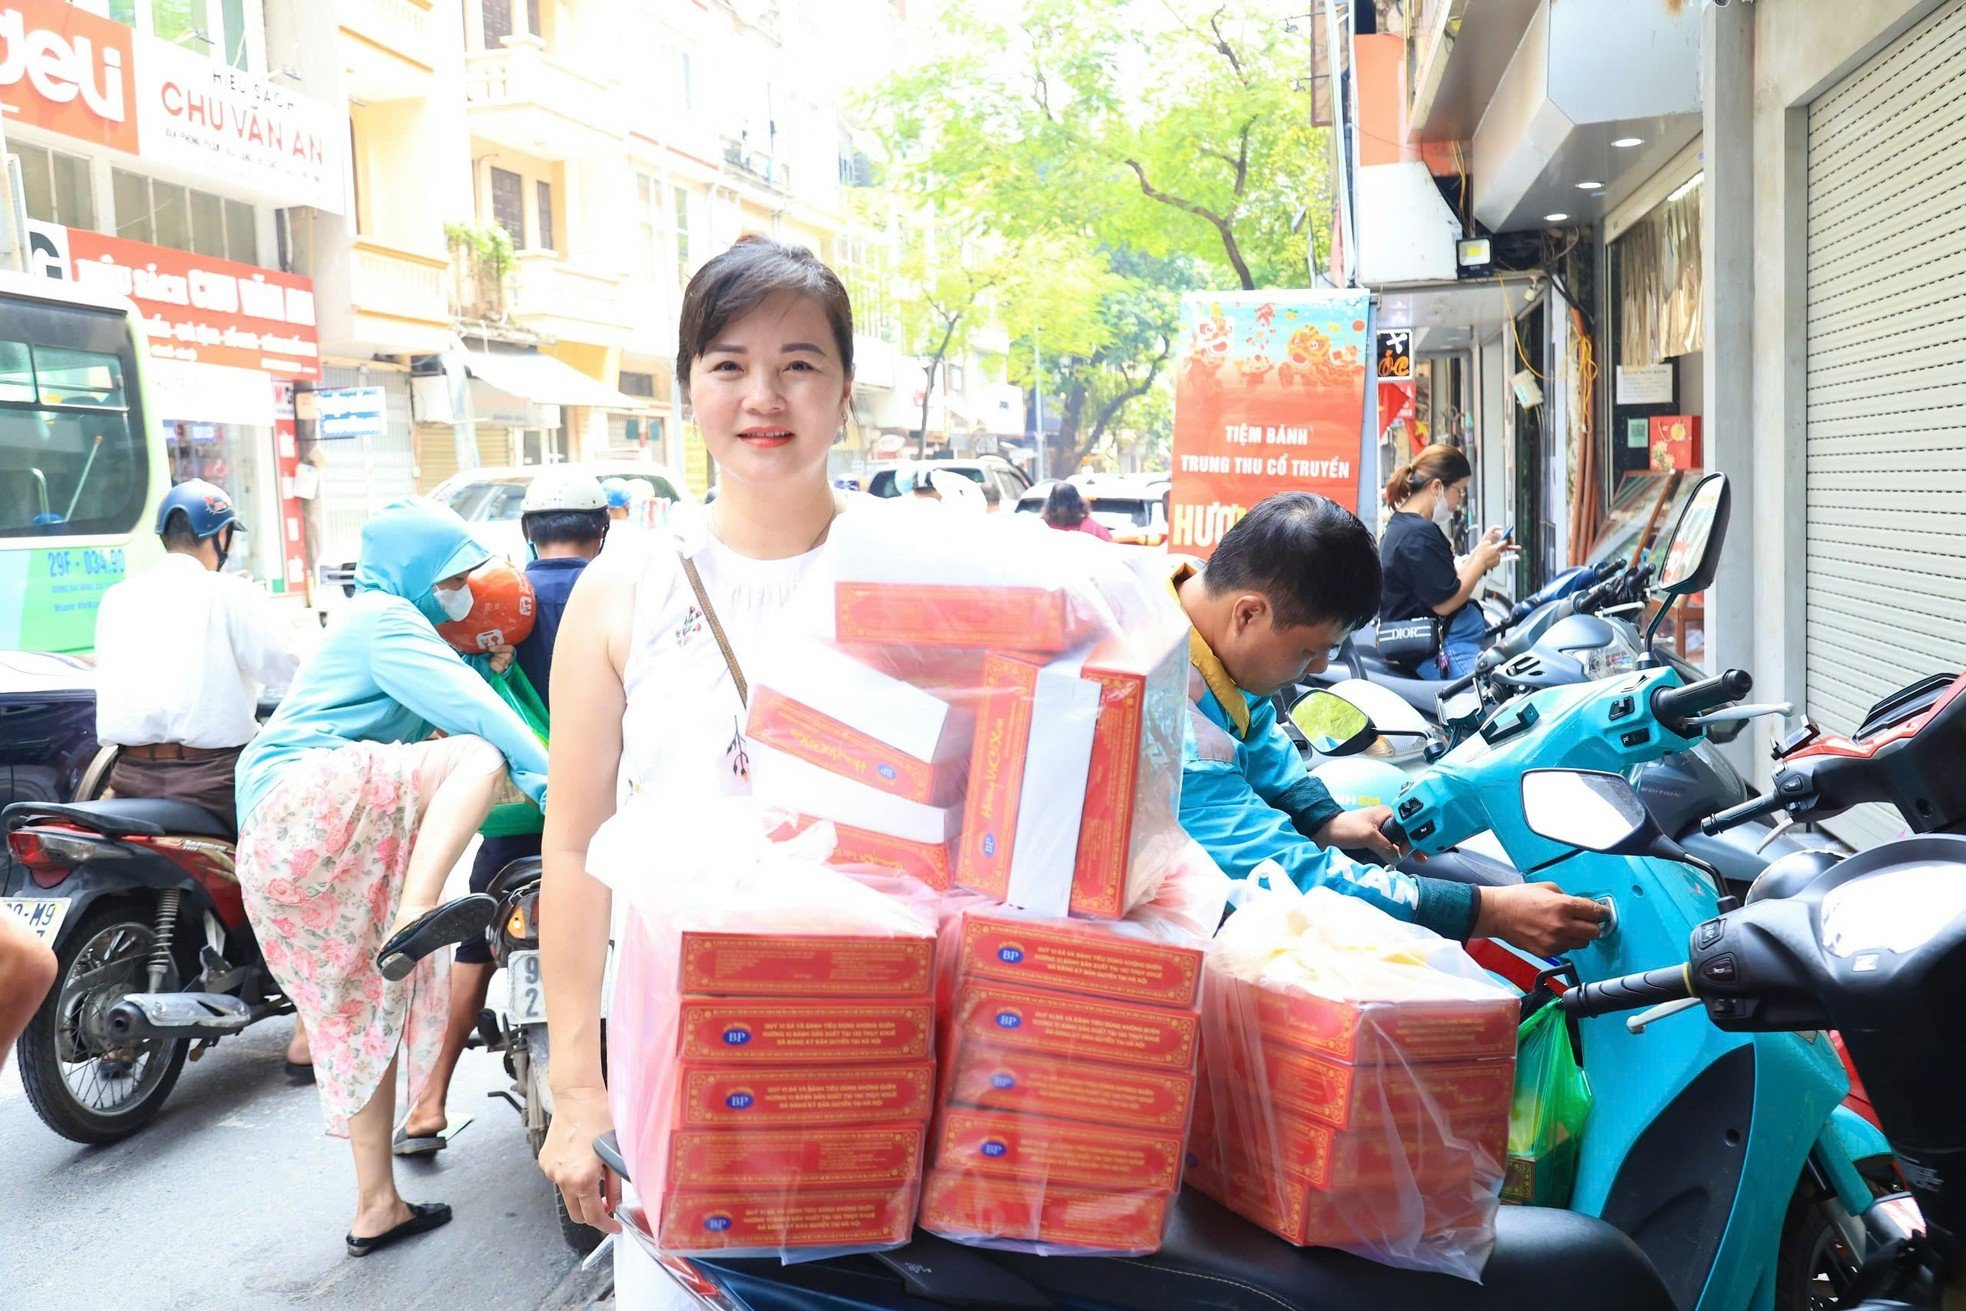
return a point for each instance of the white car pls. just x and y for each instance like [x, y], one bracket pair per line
[1131, 506]
[488, 499]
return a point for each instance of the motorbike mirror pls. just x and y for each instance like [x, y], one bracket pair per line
[1587, 809]
[1331, 724]
[1692, 552]
[1460, 707]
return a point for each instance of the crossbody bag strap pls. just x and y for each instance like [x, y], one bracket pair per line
[716, 629]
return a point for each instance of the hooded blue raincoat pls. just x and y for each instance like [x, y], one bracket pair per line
[383, 674]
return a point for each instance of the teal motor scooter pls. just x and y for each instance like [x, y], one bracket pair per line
[1727, 1157]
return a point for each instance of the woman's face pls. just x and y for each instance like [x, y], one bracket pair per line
[1454, 495]
[770, 391]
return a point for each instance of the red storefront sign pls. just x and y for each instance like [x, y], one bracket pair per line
[65, 70]
[204, 310]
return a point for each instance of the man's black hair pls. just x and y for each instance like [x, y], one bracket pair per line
[177, 534]
[553, 527]
[1311, 557]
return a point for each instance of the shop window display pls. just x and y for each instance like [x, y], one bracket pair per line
[238, 458]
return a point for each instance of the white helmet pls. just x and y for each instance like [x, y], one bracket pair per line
[562, 489]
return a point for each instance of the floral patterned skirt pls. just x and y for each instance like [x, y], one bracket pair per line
[321, 863]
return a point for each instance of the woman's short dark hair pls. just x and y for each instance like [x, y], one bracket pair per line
[744, 277]
[1064, 507]
[1310, 557]
[1440, 460]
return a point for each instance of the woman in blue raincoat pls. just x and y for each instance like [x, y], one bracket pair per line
[352, 816]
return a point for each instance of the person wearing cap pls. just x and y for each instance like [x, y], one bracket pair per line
[565, 518]
[618, 496]
[183, 655]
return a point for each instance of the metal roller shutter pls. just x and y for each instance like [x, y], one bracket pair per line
[1886, 382]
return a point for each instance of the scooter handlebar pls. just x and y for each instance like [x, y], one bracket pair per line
[1629, 993]
[1741, 814]
[1393, 832]
[1675, 706]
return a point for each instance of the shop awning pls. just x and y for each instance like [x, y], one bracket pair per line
[543, 380]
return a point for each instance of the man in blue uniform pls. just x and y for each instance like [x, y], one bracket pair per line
[1282, 590]
[565, 518]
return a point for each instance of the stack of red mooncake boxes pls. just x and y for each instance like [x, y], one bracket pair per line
[1068, 1077]
[985, 704]
[1358, 1079]
[772, 1043]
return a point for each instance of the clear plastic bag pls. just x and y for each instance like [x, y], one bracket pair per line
[1357, 1077]
[1004, 700]
[1068, 1072]
[771, 1041]
[1546, 1119]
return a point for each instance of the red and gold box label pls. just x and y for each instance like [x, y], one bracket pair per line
[1075, 1154]
[1082, 958]
[934, 863]
[996, 775]
[806, 965]
[818, 739]
[1362, 1096]
[1033, 1083]
[1064, 1025]
[1132, 789]
[1033, 619]
[720, 1097]
[1360, 1219]
[734, 1030]
[1321, 1157]
[777, 1158]
[964, 1206]
[1370, 1033]
[764, 1220]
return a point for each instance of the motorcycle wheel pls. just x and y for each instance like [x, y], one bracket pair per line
[581, 1238]
[82, 1087]
[1814, 1265]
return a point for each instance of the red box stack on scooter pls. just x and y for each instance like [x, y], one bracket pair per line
[1357, 1081]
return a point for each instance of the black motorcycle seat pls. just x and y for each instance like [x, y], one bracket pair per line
[1543, 1259]
[1460, 866]
[149, 817]
[514, 874]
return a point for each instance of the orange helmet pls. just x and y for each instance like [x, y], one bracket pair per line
[502, 608]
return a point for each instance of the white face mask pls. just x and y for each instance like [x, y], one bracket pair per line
[455, 604]
[1443, 513]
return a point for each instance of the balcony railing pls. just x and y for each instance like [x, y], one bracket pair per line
[398, 284]
[577, 112]
[757, 164]
[400, 27]
[545, 288]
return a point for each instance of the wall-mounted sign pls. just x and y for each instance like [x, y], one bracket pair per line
[345, 412]
[1648, 384]
[1395, 353]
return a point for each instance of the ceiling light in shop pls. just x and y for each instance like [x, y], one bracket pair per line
[1555, 218]
[1590, 186]
[1626, 143]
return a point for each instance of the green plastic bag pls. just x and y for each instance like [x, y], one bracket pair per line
[516, 816]
[1546, 1119]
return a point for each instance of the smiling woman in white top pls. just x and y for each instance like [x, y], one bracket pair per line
[645, 697]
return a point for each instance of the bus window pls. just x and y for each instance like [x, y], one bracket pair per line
[70, 463]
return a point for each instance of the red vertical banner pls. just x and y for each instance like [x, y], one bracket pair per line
[1269, 396]
[286, 451]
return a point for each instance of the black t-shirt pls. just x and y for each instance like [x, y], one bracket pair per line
[1419, 567]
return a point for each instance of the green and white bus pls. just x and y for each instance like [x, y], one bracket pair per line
[82, 462]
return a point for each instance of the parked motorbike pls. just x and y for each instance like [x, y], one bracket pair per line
[521, 1036]
[141, 904]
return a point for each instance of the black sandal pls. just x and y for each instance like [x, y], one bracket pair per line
[300, 1072]
[424, 1216]
[441, 926]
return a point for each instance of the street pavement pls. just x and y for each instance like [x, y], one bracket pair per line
[236, 1199]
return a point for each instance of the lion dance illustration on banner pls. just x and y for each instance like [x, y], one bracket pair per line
[1269, 396]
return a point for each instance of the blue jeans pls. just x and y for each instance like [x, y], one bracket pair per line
[1460, 644]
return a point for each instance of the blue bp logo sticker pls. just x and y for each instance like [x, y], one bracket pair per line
[1003, 1081]
[1009, 1019]
[736, 1036]
[995, 1147]
[717, 1223]
[886, 772]
[989, 844]
[1010, 953]
[740, 1100]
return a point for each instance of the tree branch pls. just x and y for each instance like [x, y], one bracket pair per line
[1228, 51]
[1113, 408]
[1242, 159]
[1220, 224]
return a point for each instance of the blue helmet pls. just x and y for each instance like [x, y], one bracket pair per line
[205, 507]
[618, 493]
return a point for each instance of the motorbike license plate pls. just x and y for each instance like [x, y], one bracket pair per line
[528, 994]
[42, 915]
